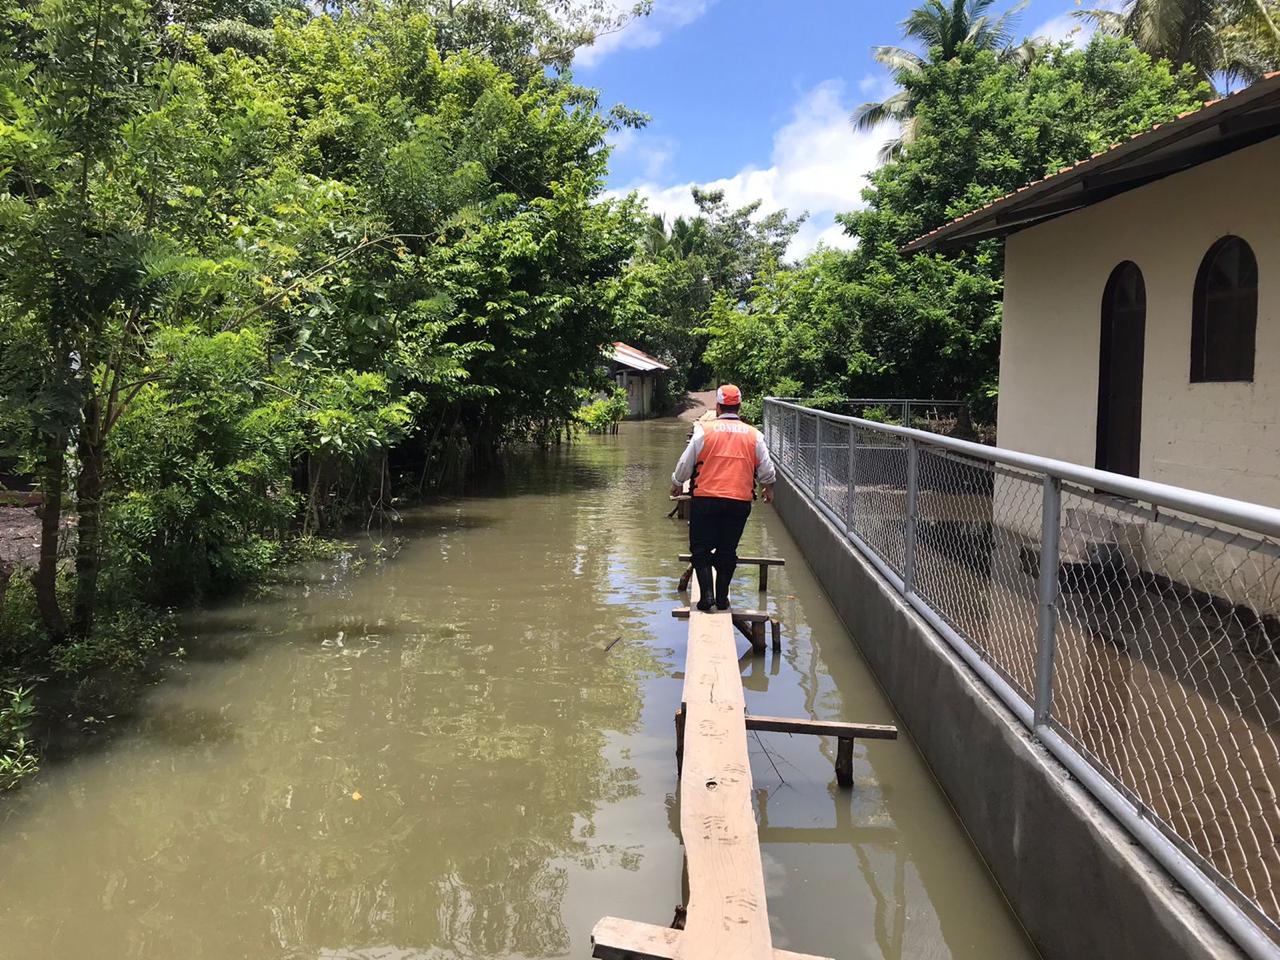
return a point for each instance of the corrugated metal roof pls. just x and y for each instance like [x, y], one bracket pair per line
[1197, 136]
[629, 356]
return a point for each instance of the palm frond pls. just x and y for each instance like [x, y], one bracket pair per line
[896, 108]
[1027, 52]
[895, 147]
[1002, 28]
[890, 151]
[1108, 22]
[928, 23]
[1160, 26]
[868, 116]
[898, 60]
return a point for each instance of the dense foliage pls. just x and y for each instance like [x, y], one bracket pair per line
[682, 267]
[258, 267]
[874, 323]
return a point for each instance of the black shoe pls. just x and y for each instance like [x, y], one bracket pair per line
[724, 574]
[706, 588]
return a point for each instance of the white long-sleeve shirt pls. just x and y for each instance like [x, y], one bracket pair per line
[765, 472]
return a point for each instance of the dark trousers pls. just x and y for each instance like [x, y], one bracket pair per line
[715, 527]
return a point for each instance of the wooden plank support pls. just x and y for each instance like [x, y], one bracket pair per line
[743, 561]
[764, 563]
[757, 636]
[679, 739]
[749, 616]
[844, 761]
[776, 626]
[823, 728]
[845, 734]
[615, 939]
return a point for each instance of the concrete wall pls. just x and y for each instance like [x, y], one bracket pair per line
[1219, 437]
[1079, 884]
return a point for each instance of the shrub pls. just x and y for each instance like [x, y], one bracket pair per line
[18, 759]
[603, 415]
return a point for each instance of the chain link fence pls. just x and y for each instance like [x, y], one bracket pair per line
[1135, 627]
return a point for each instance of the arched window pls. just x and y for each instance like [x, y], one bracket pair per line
[1121, 348]
[1224, 316]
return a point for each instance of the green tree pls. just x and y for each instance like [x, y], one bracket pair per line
[681, 268]
[942, 30]
[871, 322]
[393, 251]
[1234, 39]
[68, 88]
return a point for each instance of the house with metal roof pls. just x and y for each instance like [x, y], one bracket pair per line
[1141, 329]
[637, 373]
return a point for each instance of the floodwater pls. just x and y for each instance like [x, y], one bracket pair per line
[466, 751]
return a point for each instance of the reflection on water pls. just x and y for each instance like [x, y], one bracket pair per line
[444, 756]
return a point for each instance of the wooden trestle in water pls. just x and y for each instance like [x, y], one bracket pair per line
[727, 914]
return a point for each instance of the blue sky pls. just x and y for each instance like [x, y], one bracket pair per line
[754, 96]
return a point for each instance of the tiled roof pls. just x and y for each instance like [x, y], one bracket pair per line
[1142, 145]
[629, 356]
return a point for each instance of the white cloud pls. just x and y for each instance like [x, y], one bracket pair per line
[1072, 29]
[819, 164]
[1064, 27]
[667, 15]
[653, 153]
[877, 86]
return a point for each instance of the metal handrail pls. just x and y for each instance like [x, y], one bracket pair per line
[1036, 713]
[1238, 513]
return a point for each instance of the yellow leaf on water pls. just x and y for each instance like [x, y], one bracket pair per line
[356, 796]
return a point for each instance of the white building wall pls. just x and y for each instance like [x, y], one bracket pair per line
[639, 389]
[1223, 438]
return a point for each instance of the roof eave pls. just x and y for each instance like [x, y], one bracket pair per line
[1241, 120]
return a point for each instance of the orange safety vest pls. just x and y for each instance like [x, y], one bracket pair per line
[727, 464]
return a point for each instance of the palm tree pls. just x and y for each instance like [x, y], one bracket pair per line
[682, 239]
[942, 28]
[1236, 39]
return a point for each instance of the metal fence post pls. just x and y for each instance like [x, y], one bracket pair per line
[1047, 621]
[852, 476]
[795, 440]
[817, 457]
[913, 499]
[906, 413]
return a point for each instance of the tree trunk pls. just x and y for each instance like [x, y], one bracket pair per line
[45, 579]
[89, 489]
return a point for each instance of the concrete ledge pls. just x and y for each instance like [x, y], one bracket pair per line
[1078, 882]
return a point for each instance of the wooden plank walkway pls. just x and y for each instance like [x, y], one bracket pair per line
[727, 915]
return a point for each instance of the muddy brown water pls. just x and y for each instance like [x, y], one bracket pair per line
[436, 757]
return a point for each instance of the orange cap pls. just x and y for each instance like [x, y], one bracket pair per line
[728, 395]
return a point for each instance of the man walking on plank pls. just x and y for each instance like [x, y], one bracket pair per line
[723, 461]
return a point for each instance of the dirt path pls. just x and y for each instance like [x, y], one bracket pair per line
[19, 536]
[696, 403]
